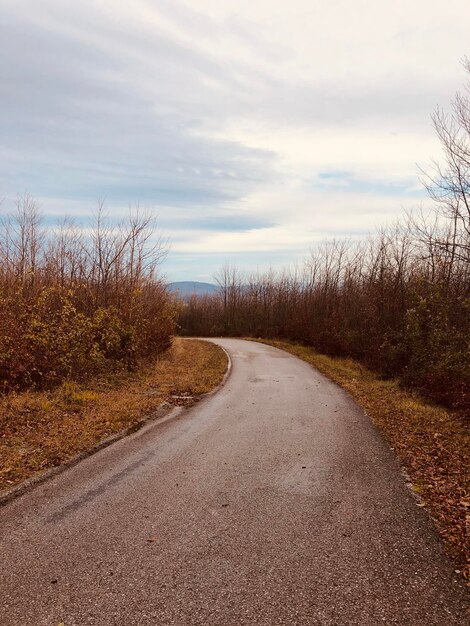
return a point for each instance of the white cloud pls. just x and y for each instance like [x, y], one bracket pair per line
[304, 119]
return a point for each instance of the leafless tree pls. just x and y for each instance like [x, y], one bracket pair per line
[448, 181]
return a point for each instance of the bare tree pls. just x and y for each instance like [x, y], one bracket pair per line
[448, 182]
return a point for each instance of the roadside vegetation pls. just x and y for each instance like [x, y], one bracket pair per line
[78, 300]
[86, 337]
[398, 302]
[43, 429]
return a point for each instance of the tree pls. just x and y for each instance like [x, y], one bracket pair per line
[448, 182]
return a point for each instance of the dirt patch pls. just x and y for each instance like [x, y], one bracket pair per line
[40, 430]
[432, 443]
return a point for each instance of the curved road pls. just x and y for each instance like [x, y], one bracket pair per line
[273, 501]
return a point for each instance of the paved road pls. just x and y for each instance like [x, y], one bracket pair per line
[274, 501]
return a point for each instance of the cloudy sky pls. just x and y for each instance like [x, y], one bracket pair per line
[252, 128]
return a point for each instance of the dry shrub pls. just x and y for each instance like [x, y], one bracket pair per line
[74, 303]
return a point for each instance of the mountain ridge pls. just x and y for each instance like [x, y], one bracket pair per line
[188, 288]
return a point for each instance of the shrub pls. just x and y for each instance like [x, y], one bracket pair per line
[72, 305]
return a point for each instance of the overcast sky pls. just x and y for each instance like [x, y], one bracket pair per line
[252, 128]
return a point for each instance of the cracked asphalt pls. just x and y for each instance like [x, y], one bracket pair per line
[273, 501]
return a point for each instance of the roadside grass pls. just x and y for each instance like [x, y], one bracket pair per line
[40, 430]
[432, 443]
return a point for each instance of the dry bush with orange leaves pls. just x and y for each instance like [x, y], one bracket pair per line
[75, 301]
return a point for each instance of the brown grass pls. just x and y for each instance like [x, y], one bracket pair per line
[39, 430]
[432, 443]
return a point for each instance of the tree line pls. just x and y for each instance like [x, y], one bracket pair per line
[399, 302]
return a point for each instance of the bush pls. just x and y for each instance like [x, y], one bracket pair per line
[71, 306]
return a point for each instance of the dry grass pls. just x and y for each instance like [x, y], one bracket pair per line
[39, 430]
[432, 443]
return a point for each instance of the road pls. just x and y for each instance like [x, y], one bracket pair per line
[273, 501]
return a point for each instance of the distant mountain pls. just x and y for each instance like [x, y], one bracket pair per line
[188, 288]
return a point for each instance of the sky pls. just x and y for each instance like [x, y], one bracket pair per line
[252, 129]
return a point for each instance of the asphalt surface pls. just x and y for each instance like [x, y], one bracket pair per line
[274, 501]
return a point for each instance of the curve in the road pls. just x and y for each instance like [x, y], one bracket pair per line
[274, 501]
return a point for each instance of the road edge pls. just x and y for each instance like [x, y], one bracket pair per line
[165, 412]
